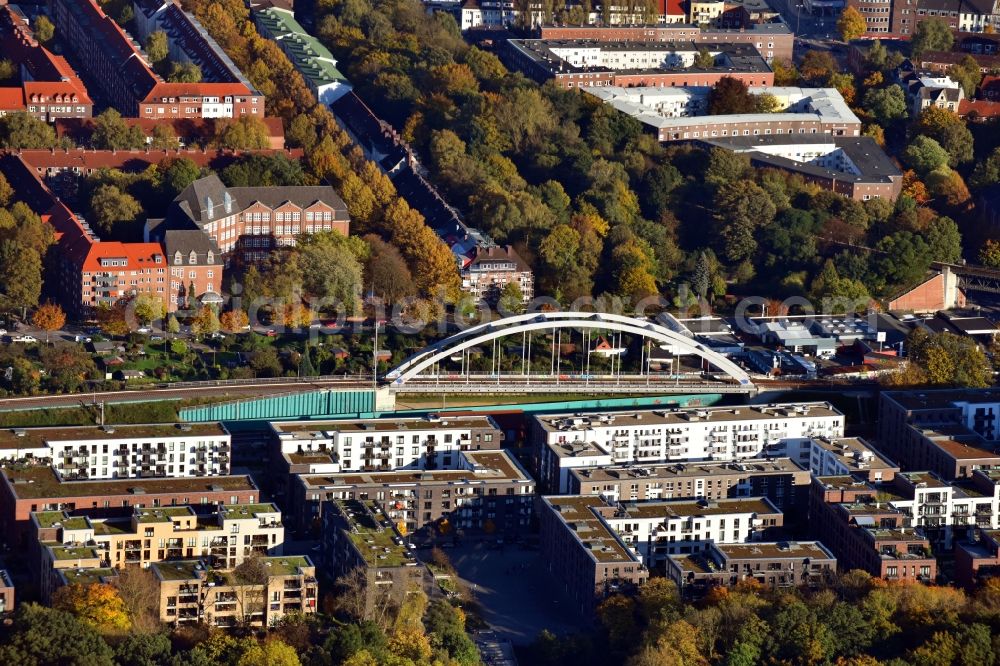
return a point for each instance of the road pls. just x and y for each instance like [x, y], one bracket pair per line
[803, 23]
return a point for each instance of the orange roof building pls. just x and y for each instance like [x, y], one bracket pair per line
[50, 88]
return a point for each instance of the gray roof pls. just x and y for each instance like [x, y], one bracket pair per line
[187, 241]
[206, 199]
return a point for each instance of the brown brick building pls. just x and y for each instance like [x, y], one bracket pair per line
[774, 564]
[486, 491]
[868, 534]
[360, 540]
[588, 558]
[28, 488]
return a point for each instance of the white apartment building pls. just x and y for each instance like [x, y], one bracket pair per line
[564, 442]
[331, 447]
[839, 457]
[945, 511]
[124, 451]
[657, 530]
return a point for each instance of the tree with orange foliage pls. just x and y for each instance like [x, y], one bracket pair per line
[234, 321]
[914, 188]
[49, 317]
[98, 605]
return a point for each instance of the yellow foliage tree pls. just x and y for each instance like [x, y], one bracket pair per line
[411, 644]
[272, 653]
[49, 317]
[851, 24]
[234, 321]
[98, 605]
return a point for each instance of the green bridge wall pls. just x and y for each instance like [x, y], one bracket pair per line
[357, 404]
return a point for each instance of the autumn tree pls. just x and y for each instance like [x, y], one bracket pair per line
[989, 253]
[730, 96]
[245, 133]
[234, 321]
[49, 317]
[149, 308]
[206, 322]
[386, 271]
[23, 130]
[851, 24]
[97, 605]
[44, 29]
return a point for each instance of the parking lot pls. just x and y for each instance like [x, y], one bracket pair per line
[517, 595]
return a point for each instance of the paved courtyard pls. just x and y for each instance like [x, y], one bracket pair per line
[517, 596]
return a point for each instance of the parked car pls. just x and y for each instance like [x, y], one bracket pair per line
[3, 331]
[27, 339]
[156, 338]
[145, 330]
[81, 338]
[271, 333]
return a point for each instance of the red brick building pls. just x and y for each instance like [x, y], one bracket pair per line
[867, 534]
[38, 488]
[112, 60]
[49, 88]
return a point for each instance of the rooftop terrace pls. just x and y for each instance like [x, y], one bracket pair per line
[590, 529]
[20, 438]
[373, 535]
[35, 482]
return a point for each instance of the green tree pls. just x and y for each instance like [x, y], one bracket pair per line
[173, 326]
[146, 649]
[112, 132]
[179, 174]
[511, 298]
[330, 265]
[110, 206]
[184, 72]
[8, 70]
[924, 155]
[886, 105]
[23, 130]
[42, 636]
[851, 24]
[20, 276]
[968, 74]
[157, 47]
[932, 34]
[245, 133]
[741, 207]
[725, 166]
[163, 137]
[44, 30]
[149, 308]
[386, 271]
[704, 59]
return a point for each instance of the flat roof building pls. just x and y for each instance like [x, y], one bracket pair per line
[360, 539]
[192, 592]
[26, 488]
[482, 490]
[681, 113]
[563, 442]
[774, 564]
[582, 63]
[129, 451]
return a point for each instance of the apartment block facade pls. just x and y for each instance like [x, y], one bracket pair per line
[492, 268]
[867, 533]
[773, 564]
[583, 554]
[360, 539]
[484, 491]
[952, 433]
[564, 442]
[36, 487]
[192, 592]
[119, 452]
[224, 538]
[114, 61]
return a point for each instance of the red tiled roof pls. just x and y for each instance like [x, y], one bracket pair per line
[982, 108]
[672, 8]
[11, 99]
[188, 129]
[132, 159]
[136, 254]
[166, 89]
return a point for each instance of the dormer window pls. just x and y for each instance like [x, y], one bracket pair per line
[178, 258]
[228, 203]
[193, 258]
[209, 206]
[209, 258]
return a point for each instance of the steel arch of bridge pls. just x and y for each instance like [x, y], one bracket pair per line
[546, 321]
